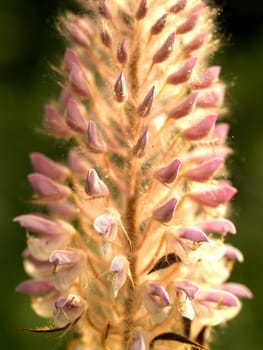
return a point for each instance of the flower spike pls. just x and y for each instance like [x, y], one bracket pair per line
[128, 246]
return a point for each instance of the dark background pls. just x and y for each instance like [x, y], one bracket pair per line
[28, 44]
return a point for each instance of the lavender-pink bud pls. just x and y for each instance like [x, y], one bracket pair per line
[94, 140]
[48, 167]
[47, 189]
[165, 212]
[165, 50]
[94, 186]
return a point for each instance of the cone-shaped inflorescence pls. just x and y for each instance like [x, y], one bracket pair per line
[131, 250]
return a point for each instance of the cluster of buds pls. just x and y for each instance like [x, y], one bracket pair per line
[128, 246]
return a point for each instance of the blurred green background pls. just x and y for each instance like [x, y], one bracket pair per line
[28, 44]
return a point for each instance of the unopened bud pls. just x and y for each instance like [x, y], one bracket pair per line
[200, 129]
[122, 55]
[142, 10]
[185, 107]
[120, 89]
[74, 117]
[95, 141]
[103, 10]
[204, 171]
[195, 43]
[178, 7]
[187, 25]
[168, 173]
[106, 38]
[145, 107]
[159, 25]
[47, 189]
[207, 78]
[165, 50]
[94, 186]
[182, 74]
[215, 197]
[165, 213]
[48, 167]
[55, 124]
[139, 149]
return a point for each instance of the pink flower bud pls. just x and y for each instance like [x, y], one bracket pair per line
[178, 7]
[94, 186]
[78, 34]
[106, 38]
[47, 189]
[76, 72]
[211, 98]
[183, 74]
[204, 171]
[77, 164]
[200, 129]
[142, 10]
[120, 89]
[68, 310]
[104, 10]
[94, 139]
[168, 173]
[122, 55]
[193, 234]
[35, 287]
[48, 167]
[159, 25]
[145, 107]
[214, 197]
[185, 107]
[221, 130]
[139, 149]
[39, 224]
[195, 43]
[233, 253]
[55, 124]
[74, 117]
[62, 209]
[207, 78]
[220, 226]
[165, 213]
[119, 270]
[165, 50]
[187, 25]
[239, 290]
